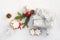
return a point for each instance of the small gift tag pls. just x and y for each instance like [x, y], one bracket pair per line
[37, 17]
[38, 23]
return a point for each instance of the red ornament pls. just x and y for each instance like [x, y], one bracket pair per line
[28, 13]
[19, 27]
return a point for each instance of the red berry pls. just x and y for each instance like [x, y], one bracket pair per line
[28, 13]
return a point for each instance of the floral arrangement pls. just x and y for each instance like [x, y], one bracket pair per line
[24, 15]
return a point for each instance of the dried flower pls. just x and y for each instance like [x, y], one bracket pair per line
[8, 15]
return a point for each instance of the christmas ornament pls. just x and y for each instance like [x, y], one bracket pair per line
[27, 14]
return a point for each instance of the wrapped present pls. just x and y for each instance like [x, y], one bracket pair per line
[40, 19]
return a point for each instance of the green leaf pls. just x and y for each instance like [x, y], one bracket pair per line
[17, 17]
[25, 25]
[20, 18]
[23, 15]
[19, 13]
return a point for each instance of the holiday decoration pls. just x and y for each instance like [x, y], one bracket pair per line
[40, 19]
[15, 24]
[26, 15]
[8, 15]
[29, 24]
[32, 32]
[35, 32]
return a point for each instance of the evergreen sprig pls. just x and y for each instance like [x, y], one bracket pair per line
[26, 22]
[20, 16]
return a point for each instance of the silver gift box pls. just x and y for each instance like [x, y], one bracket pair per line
[41, 21]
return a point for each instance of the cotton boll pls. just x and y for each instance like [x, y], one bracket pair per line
[37, 32]
[32, 31]
[13, 21]
[16, 24]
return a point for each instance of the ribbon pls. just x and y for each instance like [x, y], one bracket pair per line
[19, 27]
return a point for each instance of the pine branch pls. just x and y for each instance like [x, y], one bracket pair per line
[19, 13]
[20, 16]
[17, 17]
[26, 22]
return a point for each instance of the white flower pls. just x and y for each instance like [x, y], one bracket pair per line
[32, 31]
[14, 24]
[37, 32]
